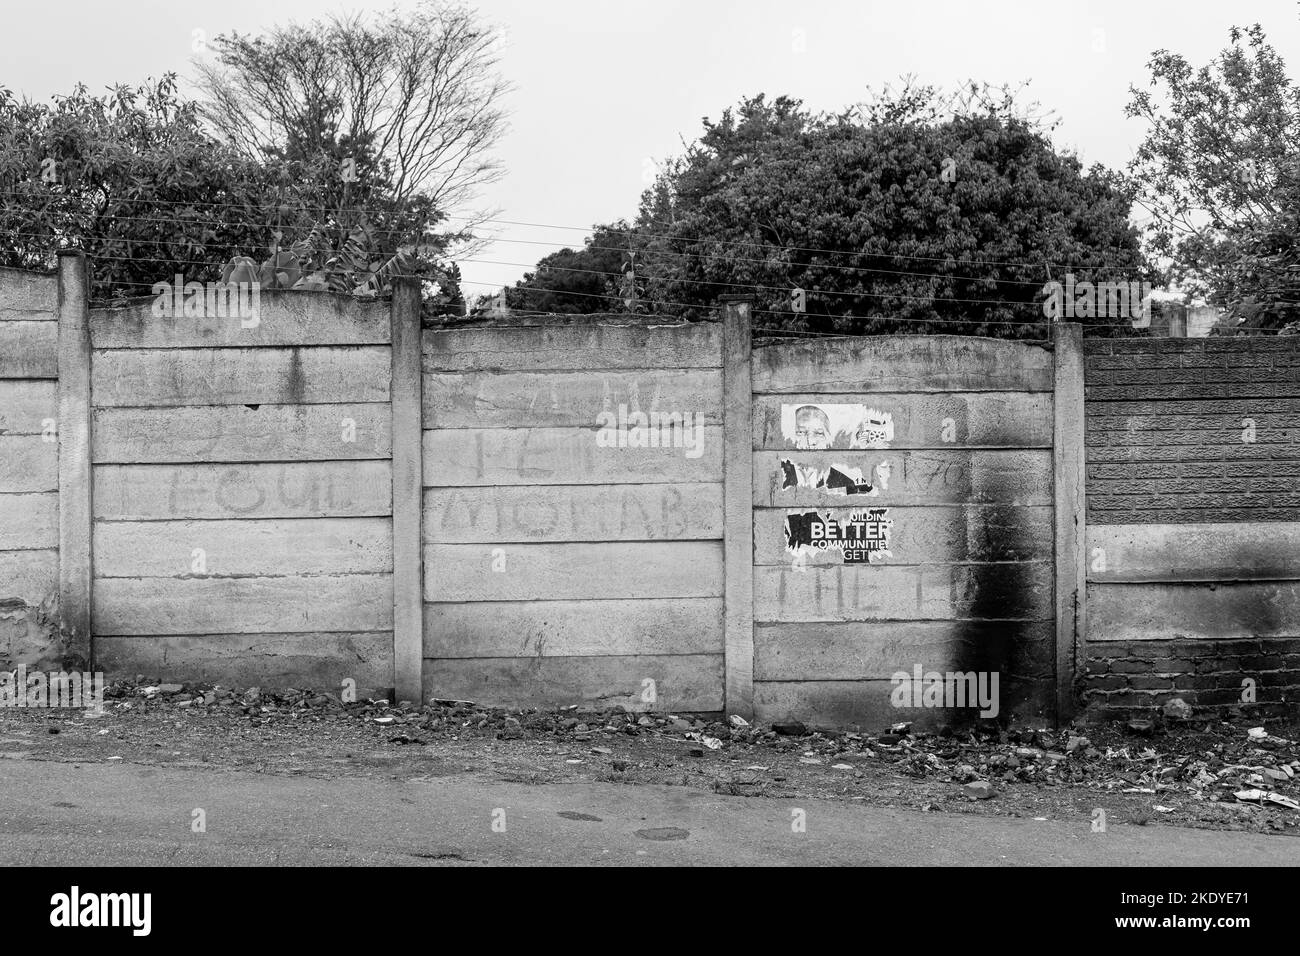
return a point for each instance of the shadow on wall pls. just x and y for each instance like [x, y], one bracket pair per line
[1003, 633]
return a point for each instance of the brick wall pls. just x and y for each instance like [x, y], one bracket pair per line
[1130, 678]
[1166, 423]
[1193, 511]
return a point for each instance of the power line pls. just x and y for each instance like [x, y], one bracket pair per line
[707, 308]
[694, 282]
[640, 232]
[671, 279]
[807, 267]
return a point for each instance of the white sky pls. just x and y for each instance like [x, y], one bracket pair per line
[605, 86]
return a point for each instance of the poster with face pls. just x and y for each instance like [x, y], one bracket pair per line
[820, 427]
[824, 426]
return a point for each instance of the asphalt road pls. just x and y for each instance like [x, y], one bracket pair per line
[116, 813]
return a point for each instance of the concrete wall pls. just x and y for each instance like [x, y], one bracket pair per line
[29, 468]
[961, 469]
[242, 494]
[1193, 542]
[561, 568]
[216, 500]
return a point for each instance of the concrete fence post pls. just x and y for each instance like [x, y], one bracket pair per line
[74, 458]
[1068, 465]
[738, 503]
[408, 467]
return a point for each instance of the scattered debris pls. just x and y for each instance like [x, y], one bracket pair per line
[1177, 709]
[1266, 796]
[1227, 772]
[790, 728]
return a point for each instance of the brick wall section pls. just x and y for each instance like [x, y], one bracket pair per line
[1131, 678]
[1165, 425]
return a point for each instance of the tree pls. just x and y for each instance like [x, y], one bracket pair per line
[912, 213]
[450, 290]
[576, 281]
[133, 180]
[1219, 173]
[413, 98]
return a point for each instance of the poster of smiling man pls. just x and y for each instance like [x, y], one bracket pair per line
[820, 427]
[823, 427]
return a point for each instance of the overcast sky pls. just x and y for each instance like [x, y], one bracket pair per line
[603, 87]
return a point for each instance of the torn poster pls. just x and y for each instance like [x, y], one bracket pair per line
[836, 479]
[821, 427]
[863, 538]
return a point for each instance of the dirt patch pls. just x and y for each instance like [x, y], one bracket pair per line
[1191, 774]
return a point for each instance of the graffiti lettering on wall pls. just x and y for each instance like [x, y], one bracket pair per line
[863, 538]
[823, 427]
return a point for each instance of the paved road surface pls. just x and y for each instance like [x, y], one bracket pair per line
[118, 813]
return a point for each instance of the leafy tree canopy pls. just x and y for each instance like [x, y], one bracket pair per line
[133, 179]
[1219, 173]
[914, 212]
